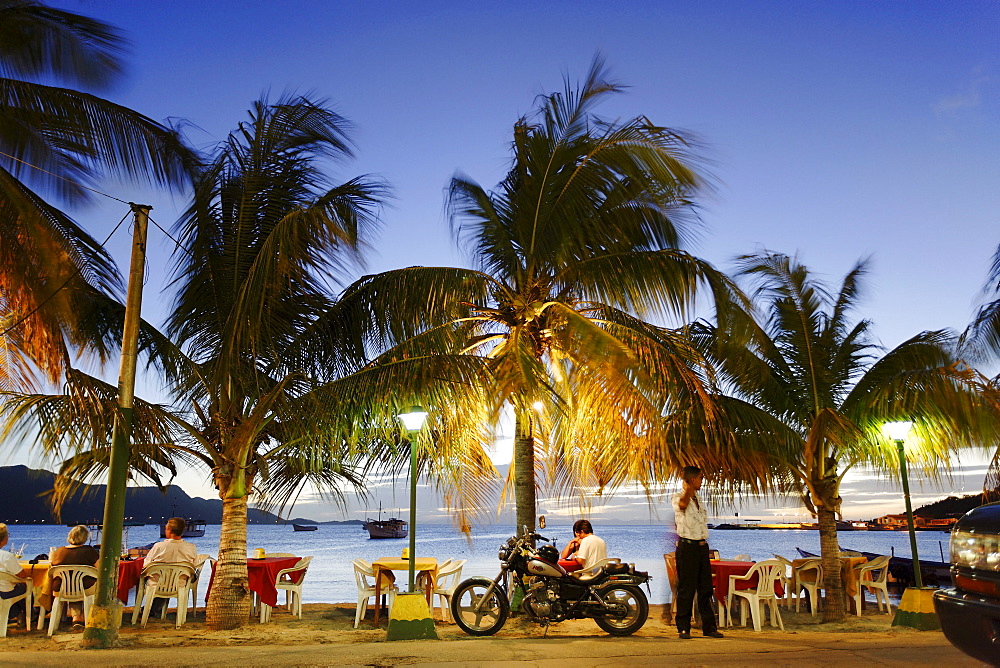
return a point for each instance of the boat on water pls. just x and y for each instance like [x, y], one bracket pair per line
[934, 573]
[304, 527]
[192, 529]
[390, 528]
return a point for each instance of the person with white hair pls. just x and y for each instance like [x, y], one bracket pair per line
[76, 553]
[10, 564]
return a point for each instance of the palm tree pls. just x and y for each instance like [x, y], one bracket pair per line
[60, 141]
[573, 249]
[265, 234]
[812, 389]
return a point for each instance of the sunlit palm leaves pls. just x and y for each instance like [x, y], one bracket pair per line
[57, 141]
[572, 250]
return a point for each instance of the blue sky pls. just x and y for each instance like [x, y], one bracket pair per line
[835, 130]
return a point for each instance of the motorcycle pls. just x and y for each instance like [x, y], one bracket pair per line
[610, 595]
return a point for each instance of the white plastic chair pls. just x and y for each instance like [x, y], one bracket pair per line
[278, 555]
[448, 578]
[787, 580]
[172, 581]
[874, 575]
[199, 566]
[7, 603]
[742, 557]
[293, 590]
[768, 573]
[808, 576]
[71, 590]
[366, 590]
[670, 561]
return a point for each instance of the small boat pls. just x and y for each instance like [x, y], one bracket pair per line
[192, 529]
[390, 528]
[304, 527]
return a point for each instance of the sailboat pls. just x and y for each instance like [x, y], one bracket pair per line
[390, 528]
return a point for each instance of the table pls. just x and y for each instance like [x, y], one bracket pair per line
[570, 565]
[128, 577]
[721, 570]
[847, 573]
[427, 565]
[261, 577]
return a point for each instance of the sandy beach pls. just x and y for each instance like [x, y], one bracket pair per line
[326, 636]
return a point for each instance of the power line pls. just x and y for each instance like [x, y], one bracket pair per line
[59, 176]
[76, 272]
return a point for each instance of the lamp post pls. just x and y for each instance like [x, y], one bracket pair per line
[413, 421]
[916, 609]
[898, 431]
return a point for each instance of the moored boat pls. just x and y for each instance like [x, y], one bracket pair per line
[304, 527]
[192, 529]
[934, 573]
[390, 528]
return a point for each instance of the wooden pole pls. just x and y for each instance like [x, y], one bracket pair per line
[105, 615]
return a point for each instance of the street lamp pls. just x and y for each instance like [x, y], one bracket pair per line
[898, 431]
[413, 421]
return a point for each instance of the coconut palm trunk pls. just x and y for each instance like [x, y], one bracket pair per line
[524, 471]
[230, 600]
[833, 605]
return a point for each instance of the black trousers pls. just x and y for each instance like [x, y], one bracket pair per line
[694, 576]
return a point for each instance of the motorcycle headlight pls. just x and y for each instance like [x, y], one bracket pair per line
[975, 550]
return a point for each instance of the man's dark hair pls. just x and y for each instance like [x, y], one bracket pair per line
[690, 472]
[583, 525]
[176, 526]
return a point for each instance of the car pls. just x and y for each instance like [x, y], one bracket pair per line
[969, 611]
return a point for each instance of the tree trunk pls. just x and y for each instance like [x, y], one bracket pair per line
[230, 601]
[524, 471]
[833, 604]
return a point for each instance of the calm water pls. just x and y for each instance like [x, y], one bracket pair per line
[331, 577]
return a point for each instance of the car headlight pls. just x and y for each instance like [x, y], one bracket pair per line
[975, 550]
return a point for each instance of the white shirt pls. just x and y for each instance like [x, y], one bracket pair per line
[693, 522]
[9, 564]
[592, 550]
[171, 551]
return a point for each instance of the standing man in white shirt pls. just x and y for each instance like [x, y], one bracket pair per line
[694, 571]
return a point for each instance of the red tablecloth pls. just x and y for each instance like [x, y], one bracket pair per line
[128, 577]
[570, 565]
[262, 574]
[721, 570]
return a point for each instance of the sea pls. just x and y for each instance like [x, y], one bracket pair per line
[331, 577]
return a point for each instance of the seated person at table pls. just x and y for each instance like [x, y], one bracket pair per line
[173, 550]
[10, 564]
[585, 548]
[76, 553]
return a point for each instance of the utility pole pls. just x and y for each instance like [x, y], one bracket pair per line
[105, 616]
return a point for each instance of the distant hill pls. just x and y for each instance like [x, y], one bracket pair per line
[26, 494]
[953, 506]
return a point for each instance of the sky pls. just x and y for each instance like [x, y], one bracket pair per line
[835, 131]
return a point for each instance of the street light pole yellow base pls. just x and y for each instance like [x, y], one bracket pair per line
[916, 609]
[410, 618]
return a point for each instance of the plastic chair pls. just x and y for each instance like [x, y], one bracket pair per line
[448, 578]
[275, 555]
[71, 590]
[714, 554]
[787, 580]
[809, 576]
[286, 581]
[199, 566]
[874, 575]
[768, 573]
[670, 560]
[742, 557]
[366, 590]
[7, 603]
[172, 581]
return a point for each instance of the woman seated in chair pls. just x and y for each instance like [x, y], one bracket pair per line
[76, 553]
[10, 564]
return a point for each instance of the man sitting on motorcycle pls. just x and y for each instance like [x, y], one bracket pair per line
[585, 548]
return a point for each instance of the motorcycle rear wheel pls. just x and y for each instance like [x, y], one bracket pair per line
[636, 606]
[492, 612]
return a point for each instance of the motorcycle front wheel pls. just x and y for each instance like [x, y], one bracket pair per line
[636, 610]
[474, 612]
